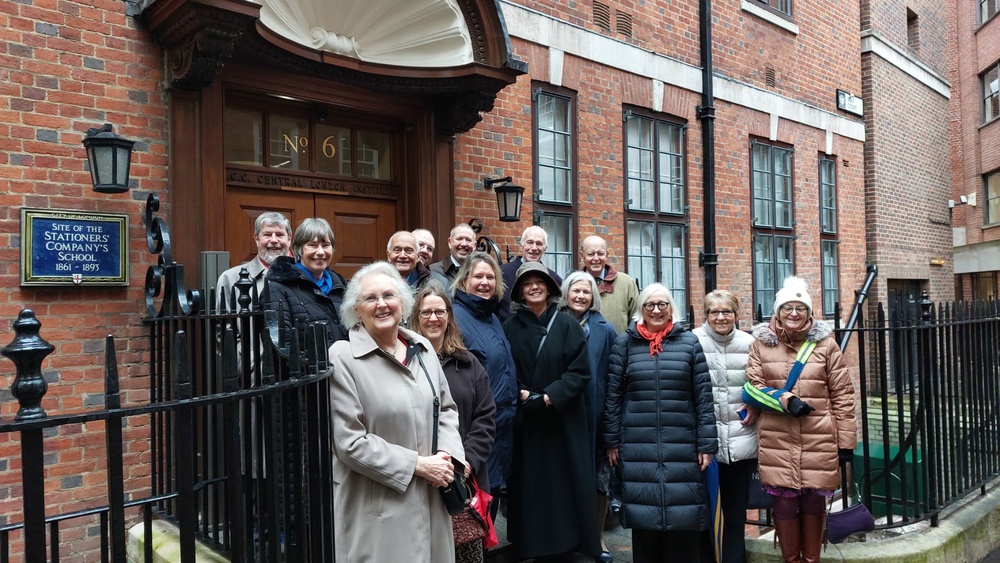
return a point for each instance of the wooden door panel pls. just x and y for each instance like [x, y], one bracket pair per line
[361, 227]
[243, 205]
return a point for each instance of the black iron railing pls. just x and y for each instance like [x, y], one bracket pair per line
[929, 382]
[239, 443]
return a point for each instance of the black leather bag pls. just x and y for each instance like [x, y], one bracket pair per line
[457, 494]
[757, 499]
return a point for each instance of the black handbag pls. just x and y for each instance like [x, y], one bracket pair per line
[456, 495]
[757, 499]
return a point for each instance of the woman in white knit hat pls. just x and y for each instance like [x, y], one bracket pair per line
[798, 378]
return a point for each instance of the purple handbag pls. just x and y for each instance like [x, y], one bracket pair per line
[853, 520]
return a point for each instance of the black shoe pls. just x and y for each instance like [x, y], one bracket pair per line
[605, 557]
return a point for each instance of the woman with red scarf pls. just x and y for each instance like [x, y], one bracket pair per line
[660, 427]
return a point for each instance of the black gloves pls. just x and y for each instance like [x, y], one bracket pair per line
[845, 455]
[535, 403]
[797, 407]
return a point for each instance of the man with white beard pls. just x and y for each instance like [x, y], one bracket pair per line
[272, 235]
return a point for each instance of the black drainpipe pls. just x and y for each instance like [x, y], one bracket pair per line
[708, 258]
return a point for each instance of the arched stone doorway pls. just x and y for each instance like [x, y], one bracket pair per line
[400, 77]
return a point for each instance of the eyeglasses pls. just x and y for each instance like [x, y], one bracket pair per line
[788, 309]
[388, 297]
[439, 313]
[724, 312]
[661, 305]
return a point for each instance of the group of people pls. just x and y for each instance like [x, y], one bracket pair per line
[542, 388]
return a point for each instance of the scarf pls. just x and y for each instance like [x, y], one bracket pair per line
[793, 339]
[584, 324]
[325, 282]
[607, 283]
[655, 338]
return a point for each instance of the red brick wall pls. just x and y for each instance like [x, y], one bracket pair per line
[907, 152]
[809, 67]
[64, 67]
[601, 92]
[662, 27]
[977, 148]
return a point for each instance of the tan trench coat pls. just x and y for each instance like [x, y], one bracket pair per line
[801, 453]
[382, 420]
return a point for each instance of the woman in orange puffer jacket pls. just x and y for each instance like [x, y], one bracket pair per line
[812, 428]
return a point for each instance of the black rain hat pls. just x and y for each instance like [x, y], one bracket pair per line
[540, 270]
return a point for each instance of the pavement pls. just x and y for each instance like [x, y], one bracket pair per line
[968, 533]
[618, 540]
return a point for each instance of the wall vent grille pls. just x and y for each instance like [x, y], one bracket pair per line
[602, 16]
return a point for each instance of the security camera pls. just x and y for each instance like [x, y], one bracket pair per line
[951, 204]
[963, 199]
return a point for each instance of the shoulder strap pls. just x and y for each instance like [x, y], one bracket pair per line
[767, 397]
[546, 335]
[800, 362]
[437, 404]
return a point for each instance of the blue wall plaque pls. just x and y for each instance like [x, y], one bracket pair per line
[62, 247]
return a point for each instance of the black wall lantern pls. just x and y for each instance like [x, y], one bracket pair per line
[110, 157]
[508, 198]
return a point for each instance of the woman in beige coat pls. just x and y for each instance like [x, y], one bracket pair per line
[813, 428]
[387, 507]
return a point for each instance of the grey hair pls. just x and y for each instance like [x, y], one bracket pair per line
[466, 270]
[388, 245]
[451, 233]
[578, 276]
[311, 228]
[646, 293]
[348, 313]
[271, 218]
[430, 234]
[545, 235]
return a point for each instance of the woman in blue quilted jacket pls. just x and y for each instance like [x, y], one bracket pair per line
[660, 427]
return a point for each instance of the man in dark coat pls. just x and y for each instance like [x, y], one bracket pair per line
[552, 505]
[534, 241]
[461, 243]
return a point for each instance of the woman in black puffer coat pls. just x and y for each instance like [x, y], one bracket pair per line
[660, 426]
[306, 289]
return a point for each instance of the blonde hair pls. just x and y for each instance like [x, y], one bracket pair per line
[466, 270]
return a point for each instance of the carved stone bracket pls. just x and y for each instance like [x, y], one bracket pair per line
[460, 113]
[198, 37]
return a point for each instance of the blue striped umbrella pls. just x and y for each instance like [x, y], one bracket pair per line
[715, 507]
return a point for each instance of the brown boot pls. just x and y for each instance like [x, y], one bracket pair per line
[813, 528]
[788, 534]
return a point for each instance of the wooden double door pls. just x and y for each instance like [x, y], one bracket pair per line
[361, 226]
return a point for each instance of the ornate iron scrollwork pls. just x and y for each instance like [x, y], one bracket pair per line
[167, 276]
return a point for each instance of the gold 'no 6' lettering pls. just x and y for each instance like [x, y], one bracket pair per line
[297, 143]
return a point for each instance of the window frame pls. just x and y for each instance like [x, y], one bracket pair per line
[551, 256]
[982, 6]
[987, 100]
[267, 108]
[770, 6]
[551, 207]
[671, 220]
[991, 219]
[830, 292]
[773, 234]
